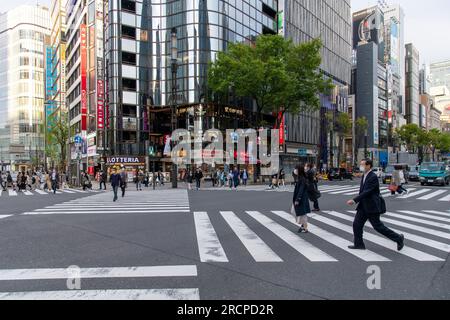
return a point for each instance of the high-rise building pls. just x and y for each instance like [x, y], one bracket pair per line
[440, 74]
[424, 80]
[412, 85]
[24, 32]
[139, 73]
[85, 82]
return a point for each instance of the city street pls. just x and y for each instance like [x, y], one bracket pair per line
[219, 244]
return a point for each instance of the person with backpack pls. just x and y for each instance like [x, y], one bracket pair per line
[55, 180]
[124, 181]
[313, 190]
[198, 178]
[370, 207]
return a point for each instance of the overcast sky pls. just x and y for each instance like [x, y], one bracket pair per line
[427, 23]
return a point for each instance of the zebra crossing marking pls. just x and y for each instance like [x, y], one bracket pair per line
[345, 191]
[12, 193]
[447, 198]
[424, 215]
[335, 240]
[439, 213]
[432, 195]
[41, 192]
[209, 246]
[410, 252]
[152, 294]
[257, 248]
[414, 194]
[422, 221]
[409, 236]
[303, 247]
[5, 216]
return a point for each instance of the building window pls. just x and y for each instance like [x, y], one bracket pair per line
[129, 84]
[128, 5]
[128, 32]
[129, 58]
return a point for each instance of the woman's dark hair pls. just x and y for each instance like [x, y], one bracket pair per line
[301, 171]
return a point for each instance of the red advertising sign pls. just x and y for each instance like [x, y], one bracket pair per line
[83, 67]
[100, 104]
[282, 130]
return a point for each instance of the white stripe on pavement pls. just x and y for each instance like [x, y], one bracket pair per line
[97, 273]
[333, 188]
[383, 242]
[102, 212]
[433, 195]
[12, 193]
[447, 198]
[426, 222]
[76, 190]
[5, 216]
[345, 191]
[40, 192]
[409, 236]
[303, 247]
[335, 240]
[153, 294]
[439, 213]
[67, 191]
[209, 246]
[92, 208]
[424, 215]
[259, 250]
[414, 194]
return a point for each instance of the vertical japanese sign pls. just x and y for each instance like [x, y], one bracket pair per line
[50, 105]
[83, 54]
[100, 68]
[63, 74]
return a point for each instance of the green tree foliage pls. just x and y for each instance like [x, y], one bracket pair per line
[410, 135]
[277, 74]
[57, 139]
[343, 128]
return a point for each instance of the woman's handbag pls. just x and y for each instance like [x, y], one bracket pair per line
[393, 188]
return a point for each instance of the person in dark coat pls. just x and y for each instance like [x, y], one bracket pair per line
[300, 200]
[313, 191]
[370, 208]
[116, 182]
[198, 178]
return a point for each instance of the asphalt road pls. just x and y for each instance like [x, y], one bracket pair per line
[218, 245]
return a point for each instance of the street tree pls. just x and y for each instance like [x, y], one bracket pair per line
[57, 139]
[278, 75]
[343, 128]
[409, 135]
[361, 127]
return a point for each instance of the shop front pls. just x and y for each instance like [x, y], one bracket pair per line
[132, 165]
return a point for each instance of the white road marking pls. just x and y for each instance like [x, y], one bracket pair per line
[209, 246]
[12, 193]
[5, 216]
[422, 221]
[414, 194]
[67, 191]
[409, 236]
[423, 215]
[439, 213]
[332, 188]
[335, 240]
[303, 247]
[153, 294]
[433, 195]
[345, 191]
[27, 193]
[447, 198]
[259, 250]
[410, 252]
[40, 192]
[104, 212]
[97, 273]
[101, 208]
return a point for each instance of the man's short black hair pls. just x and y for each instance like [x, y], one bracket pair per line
[369, 162]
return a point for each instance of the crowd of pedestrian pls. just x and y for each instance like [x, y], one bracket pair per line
[33, 180]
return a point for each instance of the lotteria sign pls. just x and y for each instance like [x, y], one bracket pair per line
[125, 161]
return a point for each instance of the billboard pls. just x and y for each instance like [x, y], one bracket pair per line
[83, 67]
[100, 68]
[395, 59]
[368, 26]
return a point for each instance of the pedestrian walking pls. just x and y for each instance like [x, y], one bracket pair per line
[198, 178]
[313, 190]
[55, 179]
[398, 180]
[189, 179]
[116, 182]
[281, 178]
[244, 177]
[300, 201]
[139, 179]
[3, 181]
[9, 180]
[146, 179]
[48, 181]
[124, 181]
[230, 179]
[102, 178]
[370, 207]
[236, 176]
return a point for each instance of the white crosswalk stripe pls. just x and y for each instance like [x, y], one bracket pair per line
[413, 194]
[423, 215]
[432, 195]
[326, 228]
[12, 193]
[439, 213]
[4, 216]
[102, 273]
[147, 202]
[447, 198]
[38, 192]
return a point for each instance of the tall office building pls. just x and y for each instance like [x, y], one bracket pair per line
[440, 74]
[24, 32]
[394, 18]
[138, 42]
[413, 112]
[85, 82]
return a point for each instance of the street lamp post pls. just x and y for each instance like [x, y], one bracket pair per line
[174, 65]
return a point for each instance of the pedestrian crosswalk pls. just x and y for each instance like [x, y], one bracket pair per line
[38, 192]
[43, 275]
[416, 193]
[137, 202]
[267, 237]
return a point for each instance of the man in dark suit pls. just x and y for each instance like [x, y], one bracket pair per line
[369, 208]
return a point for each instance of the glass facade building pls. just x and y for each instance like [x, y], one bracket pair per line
[139, 74]
[412, 85]
[24, 31]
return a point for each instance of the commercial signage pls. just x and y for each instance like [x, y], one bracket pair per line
[376, 136]
[63, 74]
[125, 161]
[100, 104]
[368, 26]
[83, 54]
[100, 68]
